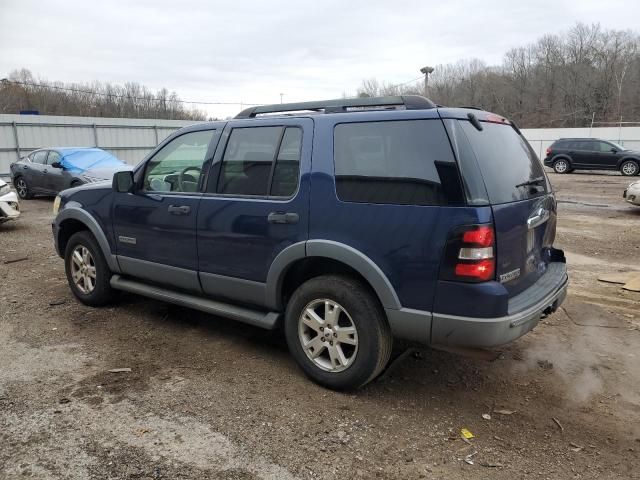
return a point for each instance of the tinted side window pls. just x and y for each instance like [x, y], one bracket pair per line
[406, 162]
[39, 157]
[261, 161]
[246, 165]
[604, 147]
[285, 174]
[178, 165]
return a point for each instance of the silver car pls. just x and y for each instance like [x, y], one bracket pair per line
[632, 193]
[9, 205]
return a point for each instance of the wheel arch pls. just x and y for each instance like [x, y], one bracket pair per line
[562, 156]
[305, 260]
[626, 159]
[72, 220]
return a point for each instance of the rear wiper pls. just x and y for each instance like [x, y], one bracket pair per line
[533, 181]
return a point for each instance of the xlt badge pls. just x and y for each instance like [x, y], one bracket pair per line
[512, 275]
[129, 240]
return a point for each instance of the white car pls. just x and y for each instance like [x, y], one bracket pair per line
[9, 206]
[632, 193]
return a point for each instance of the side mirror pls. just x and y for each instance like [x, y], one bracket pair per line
[123, 181]
[57, 165]
[614, 150]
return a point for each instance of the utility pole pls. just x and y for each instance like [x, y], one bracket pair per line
[426, 71]
[281, 95]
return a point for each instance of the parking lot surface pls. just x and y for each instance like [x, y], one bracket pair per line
[209, 398]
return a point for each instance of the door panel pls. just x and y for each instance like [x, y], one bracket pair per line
[55, 178]
[35, 172]
[240, 235]
[155, 228]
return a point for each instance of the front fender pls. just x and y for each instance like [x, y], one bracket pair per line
[71, 212]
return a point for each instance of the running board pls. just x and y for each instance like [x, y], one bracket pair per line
[267, 320]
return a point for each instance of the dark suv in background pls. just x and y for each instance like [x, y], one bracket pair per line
[568, 154]
[349, 222]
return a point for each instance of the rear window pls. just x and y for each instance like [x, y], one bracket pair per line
[506, 162]
[406, 162]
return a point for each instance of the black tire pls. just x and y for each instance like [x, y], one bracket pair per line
[374, 338]
[102, 293]
[629, 168]
[22, 188]
[561, 166]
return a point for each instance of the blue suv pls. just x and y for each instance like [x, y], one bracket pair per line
[347, 222]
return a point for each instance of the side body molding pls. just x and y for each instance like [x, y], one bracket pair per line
[277, 271]
[362, 264]
[75, 213]
[335, 251]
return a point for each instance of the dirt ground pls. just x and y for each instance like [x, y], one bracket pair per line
[208, 398]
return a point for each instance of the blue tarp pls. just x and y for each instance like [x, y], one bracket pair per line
[82, 159]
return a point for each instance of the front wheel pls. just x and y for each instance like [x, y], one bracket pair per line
[337, 332]
[629, 168]
[87, 271]
[561, 166]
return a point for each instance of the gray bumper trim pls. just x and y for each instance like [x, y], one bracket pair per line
[491, 332]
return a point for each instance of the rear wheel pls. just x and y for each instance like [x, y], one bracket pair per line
[561, 166]
[629, 168]
[337, 332]
[23, 189]
[87, 271]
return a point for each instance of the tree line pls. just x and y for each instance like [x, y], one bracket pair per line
[21, 91]
[569, 80]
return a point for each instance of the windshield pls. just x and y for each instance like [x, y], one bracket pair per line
[509, 167]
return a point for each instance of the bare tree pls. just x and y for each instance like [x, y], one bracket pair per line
[560, 80]
[22, 91]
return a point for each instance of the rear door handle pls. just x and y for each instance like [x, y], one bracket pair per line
[179, 209]
[282, 217]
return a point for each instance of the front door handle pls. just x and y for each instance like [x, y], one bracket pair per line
[282, 217]
[179, 209]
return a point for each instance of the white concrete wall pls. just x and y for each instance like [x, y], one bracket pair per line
[129, 139]
[541, 138]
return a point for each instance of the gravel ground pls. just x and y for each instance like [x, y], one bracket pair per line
[207, 398]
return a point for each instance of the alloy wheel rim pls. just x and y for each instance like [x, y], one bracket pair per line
[22, 188]
[629, 168]
[328, 335]
[561, 166]
[83, 269]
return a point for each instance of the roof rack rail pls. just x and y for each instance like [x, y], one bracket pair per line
[410, 102]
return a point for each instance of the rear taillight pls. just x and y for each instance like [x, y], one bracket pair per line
[548, 151]
[470, 254]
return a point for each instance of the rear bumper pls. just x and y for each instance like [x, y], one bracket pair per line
[542, 298]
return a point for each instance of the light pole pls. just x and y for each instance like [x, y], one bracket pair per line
[281, 95]
[426, 71]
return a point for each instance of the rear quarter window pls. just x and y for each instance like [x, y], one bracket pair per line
[406, 162]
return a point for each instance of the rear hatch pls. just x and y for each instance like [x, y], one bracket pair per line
[499, 168]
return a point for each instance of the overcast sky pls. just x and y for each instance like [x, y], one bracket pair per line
[252, 51]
